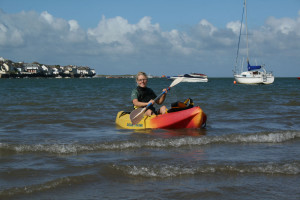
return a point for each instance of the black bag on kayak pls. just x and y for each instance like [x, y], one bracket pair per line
[178, 105]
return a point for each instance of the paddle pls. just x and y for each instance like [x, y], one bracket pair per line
[137, 115]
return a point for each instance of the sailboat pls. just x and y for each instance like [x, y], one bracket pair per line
[255, 74]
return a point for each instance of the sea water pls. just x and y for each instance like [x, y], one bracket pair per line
[58, 140]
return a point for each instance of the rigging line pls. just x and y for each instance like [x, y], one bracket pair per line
[237, 53]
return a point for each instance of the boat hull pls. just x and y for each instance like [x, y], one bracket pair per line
[260, 79]
[189, 118]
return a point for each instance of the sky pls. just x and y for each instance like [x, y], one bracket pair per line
[159, 37]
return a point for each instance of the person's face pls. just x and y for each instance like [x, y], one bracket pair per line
[142, 81]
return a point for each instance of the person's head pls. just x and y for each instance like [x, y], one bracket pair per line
[141, 79]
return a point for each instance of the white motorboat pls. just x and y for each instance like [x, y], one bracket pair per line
[192, 77]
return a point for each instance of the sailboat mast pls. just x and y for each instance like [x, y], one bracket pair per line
[238, 49]
[246, 31]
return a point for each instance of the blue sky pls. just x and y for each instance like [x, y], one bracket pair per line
[160, 37]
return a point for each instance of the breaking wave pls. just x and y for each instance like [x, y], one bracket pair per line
[175, 142]
[165, 171]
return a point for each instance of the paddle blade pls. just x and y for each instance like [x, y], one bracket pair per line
[137, 115]
[176, 81]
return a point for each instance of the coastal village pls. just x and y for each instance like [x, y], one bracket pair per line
[10, 69]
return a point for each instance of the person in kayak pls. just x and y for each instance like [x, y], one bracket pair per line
[141, 96]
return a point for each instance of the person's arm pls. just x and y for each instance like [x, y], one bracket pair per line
[162, 98]
[141, 104]
[134, 99]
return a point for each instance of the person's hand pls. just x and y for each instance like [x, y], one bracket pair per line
[151, 101]
[165, 90]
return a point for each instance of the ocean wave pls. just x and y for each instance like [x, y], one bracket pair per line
[292, 103]
[165, 171]
[175, 142]
[25, 190]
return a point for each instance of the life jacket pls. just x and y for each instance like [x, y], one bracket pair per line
[145, 94]
[178, 105]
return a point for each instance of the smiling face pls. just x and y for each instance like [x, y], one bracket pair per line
[142, 81]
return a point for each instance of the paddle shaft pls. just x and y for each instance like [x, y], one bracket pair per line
[158, 97]
[175, 82]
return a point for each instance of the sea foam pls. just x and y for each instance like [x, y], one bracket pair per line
[175, 142]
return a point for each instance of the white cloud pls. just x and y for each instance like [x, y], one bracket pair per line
[116, 42]
[280, 35]
[206, 27]
[47, 17]
[9, 35]
[234, 27]
[55, 23]
[111, 30]
[179, 42]
[120, 35]
[284, 25]
[145, 25]
[113, 34]
[74, 26]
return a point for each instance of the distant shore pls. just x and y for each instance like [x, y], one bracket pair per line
[11, 69]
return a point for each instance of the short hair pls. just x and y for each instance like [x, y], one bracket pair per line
[140, 73]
